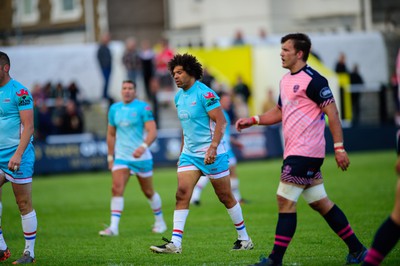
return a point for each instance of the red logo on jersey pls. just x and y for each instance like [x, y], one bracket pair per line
[22, 92]
[209, 95]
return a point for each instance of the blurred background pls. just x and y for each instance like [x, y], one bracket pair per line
[74, 54]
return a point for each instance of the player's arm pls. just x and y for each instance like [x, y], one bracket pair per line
[151, 129]
[111, 132]
[218, 117]
[26, 117]
[335, 127]
[272, 116]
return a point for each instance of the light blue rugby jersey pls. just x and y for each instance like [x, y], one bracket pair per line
[129, 120]
[14, 97]
[192, 107]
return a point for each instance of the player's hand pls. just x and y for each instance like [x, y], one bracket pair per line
[211, 154]
[14, 163]
[342, 160]
[138, 152]
[243, 123]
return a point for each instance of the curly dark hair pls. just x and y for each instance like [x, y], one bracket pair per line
[189, 63]
[4, 59]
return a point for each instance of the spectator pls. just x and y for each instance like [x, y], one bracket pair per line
[57, 116]
[73, 92]
[269, 101]
[131, 59]
[147, 57]
[340, 66]
[104, 58]
[357, 84]
[238, 39]
[44, 121]
[162, 59]
[72, 120]
[242, 90]
[208, 79]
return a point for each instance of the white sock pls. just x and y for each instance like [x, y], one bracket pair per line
[117, 206]
[29, 226]
[179, 224]
[3, 244]
[155, 204]
[235, 188]
[201, 184]
[237, 218]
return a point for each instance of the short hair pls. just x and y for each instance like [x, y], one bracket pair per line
[131, 82]
[4, 59]
[189, 63]
[301, 42]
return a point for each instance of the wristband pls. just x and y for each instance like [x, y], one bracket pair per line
[339, 149]
[255, 119]
[338, 144]
[110, 158]
[144, 145]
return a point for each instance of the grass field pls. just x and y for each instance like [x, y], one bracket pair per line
[72, 208]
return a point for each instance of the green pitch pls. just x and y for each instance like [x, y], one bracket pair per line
[72, 208]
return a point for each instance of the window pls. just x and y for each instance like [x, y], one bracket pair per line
[65, 10]
[26, 12]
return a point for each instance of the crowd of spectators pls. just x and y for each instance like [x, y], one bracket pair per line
[57, 109]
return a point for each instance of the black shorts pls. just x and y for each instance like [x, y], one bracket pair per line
[301, 170]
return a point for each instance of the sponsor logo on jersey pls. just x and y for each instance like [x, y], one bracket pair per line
[325, 93]
[24, 98]
[211, 99]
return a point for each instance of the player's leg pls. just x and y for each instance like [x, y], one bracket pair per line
[201, 184]
[23, 197]
[4, 251]
[188, 175]
[235, 182]
[316, 197]
[120, 177]
[218, 172]
[154, 199]
[387, 235]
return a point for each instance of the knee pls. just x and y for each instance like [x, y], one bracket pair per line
[322, 206]
[285, 205]
[117, 190]
[24, 205]
[148, 192]
[182, 194]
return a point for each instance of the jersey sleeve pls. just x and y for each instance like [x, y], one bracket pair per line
[111, 115]
[318, 90]
[23, 98]
[147, 113]
[209, 99]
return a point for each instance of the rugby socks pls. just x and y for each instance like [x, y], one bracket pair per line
[201, 184]
[155, 204]
[29, 226]
[237, 218]
[3, 244]
[235, 188]
[385, 239]
[285, 229]
[117, 206]
[180, 217]
[340, 225]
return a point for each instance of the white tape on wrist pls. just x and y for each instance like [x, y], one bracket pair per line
[110, 158]
[144, 145]
[338, 144]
